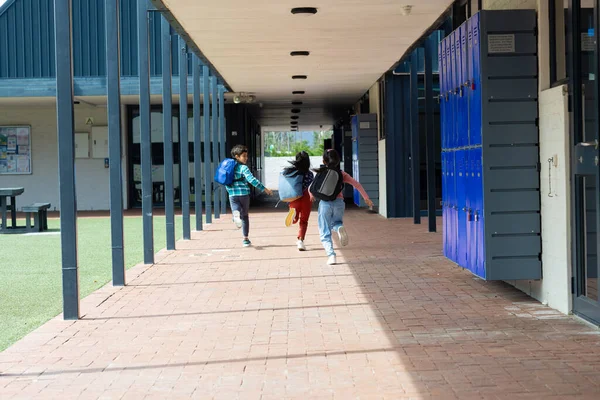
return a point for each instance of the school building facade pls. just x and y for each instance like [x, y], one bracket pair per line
[406, 134]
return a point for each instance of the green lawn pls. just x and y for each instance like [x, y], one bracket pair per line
[30, 270]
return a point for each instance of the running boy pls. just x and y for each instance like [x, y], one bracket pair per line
[239, 192]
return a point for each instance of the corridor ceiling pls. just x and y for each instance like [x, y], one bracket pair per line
[351, 44]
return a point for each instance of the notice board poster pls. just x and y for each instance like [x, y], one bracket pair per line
[15, 150]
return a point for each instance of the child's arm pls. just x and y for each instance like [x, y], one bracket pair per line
[253, 181]
[358, 186]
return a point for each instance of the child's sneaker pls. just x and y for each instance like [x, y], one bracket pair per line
[343, 236]
[237, 219]
[301, 246]
[331, 260]
[290, 217]
[246, 243]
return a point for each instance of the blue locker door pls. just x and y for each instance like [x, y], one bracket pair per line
[481, 271]
[355, 155]
[476, 85]
[452, 89]
[463, 88]
[445, 94]
[458, 87]
[453, 207]
[469, 89]
[471, 252]
[462, 215]
[444, 204]
[441, 69]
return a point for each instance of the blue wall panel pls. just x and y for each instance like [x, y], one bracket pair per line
[27, 39]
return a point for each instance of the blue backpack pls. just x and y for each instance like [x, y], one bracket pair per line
[225, 172]
[290, 187]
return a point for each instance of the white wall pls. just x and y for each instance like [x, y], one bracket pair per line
[554, 288]
[42, 184]
[274, 165]
[381, 154]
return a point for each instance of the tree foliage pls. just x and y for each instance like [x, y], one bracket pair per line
[287, 144]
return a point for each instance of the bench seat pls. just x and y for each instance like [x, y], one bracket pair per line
[40, 216]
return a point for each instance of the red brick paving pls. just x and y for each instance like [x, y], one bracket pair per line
[394, 320]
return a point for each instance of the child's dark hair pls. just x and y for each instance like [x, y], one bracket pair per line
[331, 159]
[238, 150]
[301, 165]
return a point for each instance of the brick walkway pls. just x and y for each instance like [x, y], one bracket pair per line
[395, 320]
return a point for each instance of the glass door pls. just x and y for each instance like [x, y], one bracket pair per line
[583, 39]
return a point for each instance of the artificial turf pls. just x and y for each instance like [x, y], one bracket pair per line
[30, 269]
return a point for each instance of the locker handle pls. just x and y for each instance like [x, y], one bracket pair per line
[476, 216]
[469, 215]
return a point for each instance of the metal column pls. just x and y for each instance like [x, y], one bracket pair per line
[184, 141]
[168, 133]
[414, 136]
[145, 140]
[66, 158]
[113, 76]
[207, 145]
[197, 143]
[431, 194]
[222, 142]
[215, 137]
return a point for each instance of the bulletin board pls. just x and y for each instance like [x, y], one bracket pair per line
[15, 150]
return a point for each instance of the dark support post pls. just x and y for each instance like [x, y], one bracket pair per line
[168, 133]
[431, 194]
[66, 157]
[215, 137]
[208, 170]
[414, 136]
[197, 143]
[222, 142]
[113, 75]
[184, 141]
[145, 140]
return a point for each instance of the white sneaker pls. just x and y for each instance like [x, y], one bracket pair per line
[343, 236]
[301, 246]
[331, 260]
[237, 219]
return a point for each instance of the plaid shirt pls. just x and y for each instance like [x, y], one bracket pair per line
[242, 177]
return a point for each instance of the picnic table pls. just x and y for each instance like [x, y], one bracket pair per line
[5, 193]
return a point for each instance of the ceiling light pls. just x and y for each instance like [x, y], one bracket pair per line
[243, 98]
[294, 117]
[405, 10]
[296, 103]
[295, 110]
[298, 92]
[299, 53]
[304, 10]
[299, 77]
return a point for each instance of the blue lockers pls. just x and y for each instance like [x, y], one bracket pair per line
[490, 142]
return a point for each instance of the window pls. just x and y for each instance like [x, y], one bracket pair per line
[558, 39]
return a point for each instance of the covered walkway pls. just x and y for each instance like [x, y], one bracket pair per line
[394, 320]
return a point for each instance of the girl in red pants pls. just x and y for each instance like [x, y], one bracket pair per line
[300, 208]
